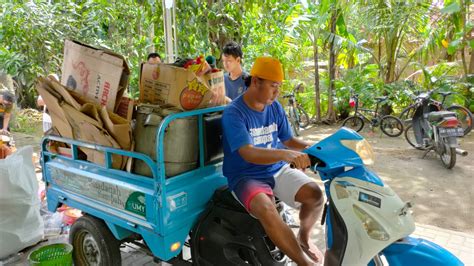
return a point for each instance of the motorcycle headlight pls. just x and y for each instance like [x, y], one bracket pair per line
[362, 148]
[372, 227]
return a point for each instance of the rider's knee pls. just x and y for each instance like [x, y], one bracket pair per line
[311, 193]
[263, 208]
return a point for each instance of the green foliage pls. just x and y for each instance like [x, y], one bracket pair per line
[27, 121]
[375, 40]
[33, 33]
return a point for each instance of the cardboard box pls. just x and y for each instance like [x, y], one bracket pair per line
[99, 75]
[165, 84]
[125, 108]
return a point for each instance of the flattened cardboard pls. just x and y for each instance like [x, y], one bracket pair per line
[75, 118]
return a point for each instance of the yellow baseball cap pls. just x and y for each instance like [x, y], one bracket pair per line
[268, 68]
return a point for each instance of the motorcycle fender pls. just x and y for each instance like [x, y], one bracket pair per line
[452, 142]
[418, 251]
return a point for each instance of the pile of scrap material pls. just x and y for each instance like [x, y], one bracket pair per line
[76, 117]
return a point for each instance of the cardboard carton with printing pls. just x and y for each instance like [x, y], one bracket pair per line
[98, 75]
[169, 85]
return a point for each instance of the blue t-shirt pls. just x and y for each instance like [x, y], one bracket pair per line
[235, 88]
[242, 126]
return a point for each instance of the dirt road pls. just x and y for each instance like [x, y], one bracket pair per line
[441, 197]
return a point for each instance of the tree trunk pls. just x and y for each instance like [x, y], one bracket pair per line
[316, 80]
[331, 114]
[471, 64]
[464, 11]
[380, 58]
[391, 60]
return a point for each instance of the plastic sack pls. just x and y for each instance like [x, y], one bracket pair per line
[21, 224]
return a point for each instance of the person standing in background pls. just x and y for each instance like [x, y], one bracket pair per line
[154, 58]
[6, 106]
[234, 79]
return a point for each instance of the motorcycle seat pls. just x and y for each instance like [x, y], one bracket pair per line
[381, 99]
[436, 116]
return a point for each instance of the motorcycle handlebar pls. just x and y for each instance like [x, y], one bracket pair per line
[314, 161]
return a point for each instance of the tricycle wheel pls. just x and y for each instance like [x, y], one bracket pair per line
[93, 243]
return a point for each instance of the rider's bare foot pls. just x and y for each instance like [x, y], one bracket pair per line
[312, 251]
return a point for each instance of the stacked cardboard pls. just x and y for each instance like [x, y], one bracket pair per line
[88, 104]
[182, 88]
[76, 117]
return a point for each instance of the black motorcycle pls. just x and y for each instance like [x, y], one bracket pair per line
[435, 130]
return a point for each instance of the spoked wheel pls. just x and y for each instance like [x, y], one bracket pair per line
[93, 243]
[391, 126]
[293, 123]
[354, 122]
[447, 154]
[303, 118]
[294, 127]
[464, 117]
[407, 114]
[411, 139]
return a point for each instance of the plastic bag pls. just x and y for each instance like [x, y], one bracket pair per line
[21, 224]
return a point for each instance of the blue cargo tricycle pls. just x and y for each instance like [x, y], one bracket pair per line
[120, 206]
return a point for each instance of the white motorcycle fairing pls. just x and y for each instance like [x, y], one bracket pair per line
[374, 217]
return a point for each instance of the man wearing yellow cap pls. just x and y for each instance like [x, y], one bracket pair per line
[257, 171]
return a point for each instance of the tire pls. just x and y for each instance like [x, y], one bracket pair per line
[303, 118]
[448, 155]
[410, 137]
[391, 126]
[407, 114]
[464, 117]
[93, 243]
[353, 122]
[295, 128]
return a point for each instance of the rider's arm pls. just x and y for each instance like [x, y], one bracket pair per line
[6, 120]
[296, 144]
[258, 155]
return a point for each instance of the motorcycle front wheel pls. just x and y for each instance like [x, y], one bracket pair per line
[447, 154]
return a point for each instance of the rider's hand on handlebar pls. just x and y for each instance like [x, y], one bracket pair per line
[297, 159]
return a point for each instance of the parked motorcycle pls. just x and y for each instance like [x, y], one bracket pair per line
[366, 222]
[435, 130]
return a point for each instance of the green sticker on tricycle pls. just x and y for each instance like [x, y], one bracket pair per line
[136, 203]
[116, 196]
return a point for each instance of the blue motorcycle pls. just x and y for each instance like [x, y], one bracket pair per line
[365, 219]
[366, 222]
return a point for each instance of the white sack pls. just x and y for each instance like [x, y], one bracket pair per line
[21, 224]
